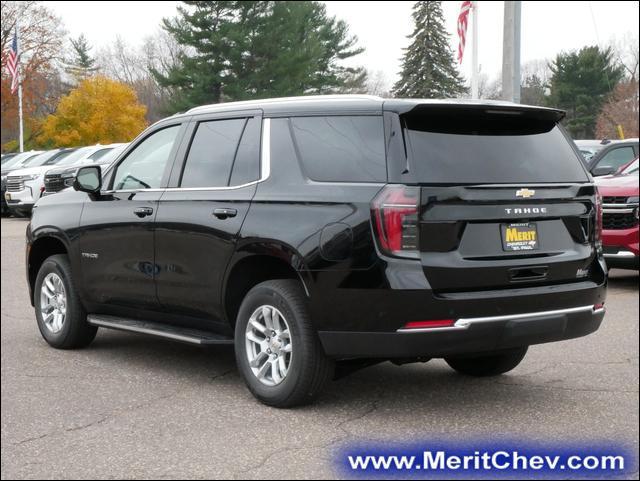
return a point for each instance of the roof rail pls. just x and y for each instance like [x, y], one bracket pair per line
[301, 98]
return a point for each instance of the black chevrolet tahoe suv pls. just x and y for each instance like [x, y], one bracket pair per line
[318, 234]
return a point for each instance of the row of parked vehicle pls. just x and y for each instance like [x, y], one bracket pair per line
[28, 176]
[614, 165]
[607, 157]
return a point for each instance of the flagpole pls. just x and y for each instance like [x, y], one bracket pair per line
[474, 50]
[19, 73]
[20, 115]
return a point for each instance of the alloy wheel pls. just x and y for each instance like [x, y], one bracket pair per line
[268, 345]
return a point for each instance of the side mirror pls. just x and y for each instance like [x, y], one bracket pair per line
[88, 179]
[604, 170]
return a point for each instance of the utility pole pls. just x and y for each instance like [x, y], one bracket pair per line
[511, 51]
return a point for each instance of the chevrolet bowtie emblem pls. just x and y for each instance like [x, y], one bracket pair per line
[525, 193]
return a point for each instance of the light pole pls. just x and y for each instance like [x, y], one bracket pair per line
[511, 51]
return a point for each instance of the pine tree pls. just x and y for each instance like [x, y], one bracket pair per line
[251, 49]
[580, 83]
[428, 66]
[82, 65]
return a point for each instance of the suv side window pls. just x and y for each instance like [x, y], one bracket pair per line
[213, 150]
[144, 167]
[341, 148]
[617, 157]
[246, 167]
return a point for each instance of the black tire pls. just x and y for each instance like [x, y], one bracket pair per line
[310, 369]
[75, 332]
[492, 364]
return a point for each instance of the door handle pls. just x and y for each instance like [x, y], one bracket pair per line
[225, 213]
[143, 211]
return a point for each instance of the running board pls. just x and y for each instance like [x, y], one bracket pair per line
[190, 336]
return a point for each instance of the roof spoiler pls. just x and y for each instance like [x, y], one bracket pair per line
[542, 114]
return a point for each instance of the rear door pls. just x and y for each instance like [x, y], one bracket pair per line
[200, 216]
[504, 198]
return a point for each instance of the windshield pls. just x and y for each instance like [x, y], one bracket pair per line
[74, 156]
[590, 146]
[99, 154]
[40, 159]
[587, 154]
[481, 149]
[7, 158]
[112, 155]
[20, 159]
[58, 157]
[631, 169]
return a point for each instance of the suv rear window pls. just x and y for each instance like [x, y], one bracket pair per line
[476, 147]
[341, 148]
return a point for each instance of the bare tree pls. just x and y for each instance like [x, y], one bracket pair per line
[488, 89]
[41, 33]
[622, 107]
[133, 66]
[41, 42]
[622, 110]
[162, 52]
[538, 68]
[378, 84]
[119, 62]
[627, 54]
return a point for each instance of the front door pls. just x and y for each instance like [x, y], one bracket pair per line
[116, 228]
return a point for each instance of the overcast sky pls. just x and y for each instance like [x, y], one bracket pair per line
[382, 27]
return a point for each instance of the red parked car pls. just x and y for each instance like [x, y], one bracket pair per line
[620, 217]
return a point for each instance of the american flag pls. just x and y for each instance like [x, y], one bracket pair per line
[12, 64]
[463, 20]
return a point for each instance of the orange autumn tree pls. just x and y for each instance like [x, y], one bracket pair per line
[99, 110]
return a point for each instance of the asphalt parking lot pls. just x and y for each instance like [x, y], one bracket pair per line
[132, 406]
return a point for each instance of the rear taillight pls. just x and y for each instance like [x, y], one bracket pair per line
[431, 324]
[395, 219]
[598, 230]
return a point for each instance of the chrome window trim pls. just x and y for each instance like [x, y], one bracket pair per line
[346, 184]
[265, 151]
[187, 189]
[265, 170]
[464, 323]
